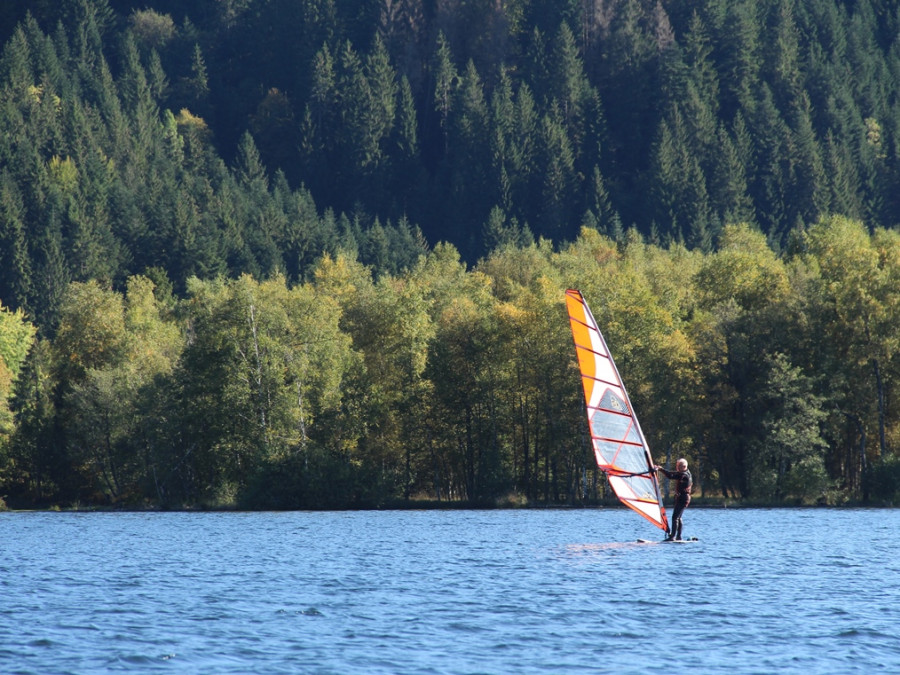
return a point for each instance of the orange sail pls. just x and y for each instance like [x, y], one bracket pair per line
[619, 444]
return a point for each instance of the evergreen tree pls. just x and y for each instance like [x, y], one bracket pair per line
[606, 218]
[250, 172]
[556, 156]
[49, 265]
[16, 285]
[15, 64]
[446, 80]
[784, 59]
[38, 466]
[384, 90]
[567, 82]
[197, 85]
[842, 179]
[630, 65]
[769, 184]
[807, 173]
[680, 185]
[468, 156]
[381, 120]
[728, 182]
[319, 155]
[738, 57]
[406, 183]
[698, 53]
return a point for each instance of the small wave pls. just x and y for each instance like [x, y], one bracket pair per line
[861, 632]
[137, 659]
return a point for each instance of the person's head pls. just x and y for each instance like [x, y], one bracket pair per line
[681, 464]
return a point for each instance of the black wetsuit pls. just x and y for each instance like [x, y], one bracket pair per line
[684, 483]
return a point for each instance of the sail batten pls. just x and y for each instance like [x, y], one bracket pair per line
[620, 447]
[601, 381]
[607, 410]
[613, 440]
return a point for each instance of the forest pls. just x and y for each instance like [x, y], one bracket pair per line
[310, 254]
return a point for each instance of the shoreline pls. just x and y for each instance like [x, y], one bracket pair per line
[715, 503]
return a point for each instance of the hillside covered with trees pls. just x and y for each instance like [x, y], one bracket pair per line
[284, 253]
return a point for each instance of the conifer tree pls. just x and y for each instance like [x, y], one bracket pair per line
[739, 57]
[139, 103]
[384, 89]
[359, 134]
[843, 181]
[406, 173]
[809, 189]
[556, 156]
[445, 81]
[524, 171]
[250, 172]
[501, 126]
[630, 67]
[680, 184]
[381, 118]
[50, 267]
[784, 59]
[769, 184]
[319, 154]
[39, 464]
[567, 81]
[15, 262]
[468, 158]
[728, 182]
[198, 83]
[599, 205]
[698, 53]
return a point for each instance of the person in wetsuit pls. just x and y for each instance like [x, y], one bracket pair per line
[684, 483]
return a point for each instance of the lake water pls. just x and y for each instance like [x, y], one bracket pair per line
[528, 591]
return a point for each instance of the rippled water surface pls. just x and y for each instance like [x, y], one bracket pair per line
[763, 591]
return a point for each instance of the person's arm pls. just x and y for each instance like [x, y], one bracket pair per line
[669, 474]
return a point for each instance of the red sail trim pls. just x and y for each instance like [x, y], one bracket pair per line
[590, 351]
[606, 439]
[649, 502]
[579, 321]
[609, 410]
[597, 379]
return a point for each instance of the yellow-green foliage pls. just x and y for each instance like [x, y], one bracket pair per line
[451, 382]
[64, 173]
[16, 337]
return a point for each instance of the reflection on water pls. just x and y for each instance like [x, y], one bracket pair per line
[448, 592]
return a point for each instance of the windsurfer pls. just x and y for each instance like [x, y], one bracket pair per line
[684, 483]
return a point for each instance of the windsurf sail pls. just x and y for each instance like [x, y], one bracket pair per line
[619, 444]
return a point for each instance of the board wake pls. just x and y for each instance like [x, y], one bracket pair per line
[691, 540]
